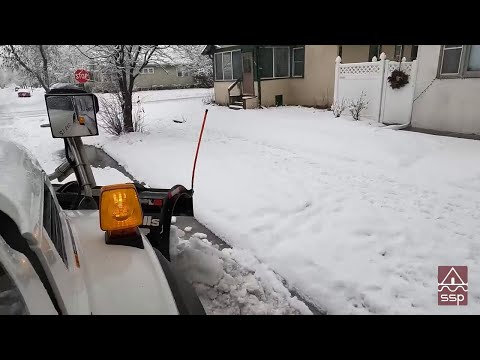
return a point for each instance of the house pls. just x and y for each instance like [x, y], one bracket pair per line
[151, 77]
[164, 77]
[447, 89]
[248, 76]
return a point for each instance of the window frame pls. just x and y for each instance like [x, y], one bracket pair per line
[223, 68]
[397, 53]
[469, 73]
[463, 73]
[273, 63]
[182, 70]
[146, 71]
[293, 62]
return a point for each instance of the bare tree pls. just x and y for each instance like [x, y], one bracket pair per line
[126, 62]
[43, 64]
[200, 66]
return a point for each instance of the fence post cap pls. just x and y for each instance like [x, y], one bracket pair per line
[338, 60]
[383, 56]
[404, 59]
[374, 59]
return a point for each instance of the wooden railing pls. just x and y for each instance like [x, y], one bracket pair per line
[232, 85]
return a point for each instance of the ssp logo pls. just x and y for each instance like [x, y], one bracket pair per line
[452, 285]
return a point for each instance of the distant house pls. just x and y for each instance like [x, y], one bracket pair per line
[151, 77]
[164, 76]
[447, 89]
[249, 76]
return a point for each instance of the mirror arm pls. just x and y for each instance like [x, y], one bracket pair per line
[84, 183]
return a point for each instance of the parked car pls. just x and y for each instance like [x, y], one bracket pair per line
[24, 93]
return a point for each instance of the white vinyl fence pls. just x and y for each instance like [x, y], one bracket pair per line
[385, 105]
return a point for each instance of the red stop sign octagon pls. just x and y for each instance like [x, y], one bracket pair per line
[82, 76]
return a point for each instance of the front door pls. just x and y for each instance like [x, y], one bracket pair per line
[247, 82]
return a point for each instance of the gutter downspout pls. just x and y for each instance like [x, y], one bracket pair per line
[258, 78]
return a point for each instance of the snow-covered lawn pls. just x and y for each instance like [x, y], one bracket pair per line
[356, 218]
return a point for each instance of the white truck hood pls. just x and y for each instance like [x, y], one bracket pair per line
[119, 279]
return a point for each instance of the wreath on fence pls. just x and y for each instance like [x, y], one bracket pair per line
[398, 79]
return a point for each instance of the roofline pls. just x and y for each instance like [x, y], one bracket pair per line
[208, 49]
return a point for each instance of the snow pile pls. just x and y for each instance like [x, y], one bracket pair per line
[231, 282]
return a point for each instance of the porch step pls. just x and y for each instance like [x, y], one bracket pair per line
[236, 107]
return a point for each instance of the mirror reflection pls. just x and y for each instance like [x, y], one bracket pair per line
[72, 115]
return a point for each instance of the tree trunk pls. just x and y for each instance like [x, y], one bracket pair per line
[127, 110]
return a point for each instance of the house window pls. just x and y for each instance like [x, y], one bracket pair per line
[452, 55]
[147, 71]
[374, 50]
[397, 56]
[473, 62]
[274, 62]
[298, 61]
[414, 53]
[459, 61]
[228, 65]
[182, 71]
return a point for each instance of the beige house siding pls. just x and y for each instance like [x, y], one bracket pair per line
[316, 88]
[220, 89]
[272, 88]
[354, 53]
[161, 77]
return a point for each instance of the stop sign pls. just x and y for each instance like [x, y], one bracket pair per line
[82, 76]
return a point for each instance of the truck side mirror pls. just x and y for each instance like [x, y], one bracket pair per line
[72, 115]
[97, 106]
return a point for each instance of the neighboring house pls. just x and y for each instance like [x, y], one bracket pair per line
[447, 92]
[151, 77]
[165, 76]
[248, 76]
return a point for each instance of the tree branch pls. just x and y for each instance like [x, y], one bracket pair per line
[27, 68]
[45, 65]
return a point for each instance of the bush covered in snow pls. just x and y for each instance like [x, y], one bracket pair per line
[209, 99]
[357, 106]
[111, 115]
[338, 107]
